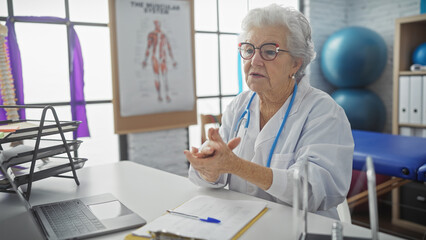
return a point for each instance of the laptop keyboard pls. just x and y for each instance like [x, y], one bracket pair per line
[71, 218]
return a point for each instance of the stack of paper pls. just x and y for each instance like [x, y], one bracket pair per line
[6, 129]
[9, 128]
[235, 217]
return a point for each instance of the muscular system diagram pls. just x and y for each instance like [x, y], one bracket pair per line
[159, 49]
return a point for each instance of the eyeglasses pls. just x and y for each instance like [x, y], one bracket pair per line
[268, 51]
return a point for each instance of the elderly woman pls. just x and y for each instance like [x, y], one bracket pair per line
[282, 121]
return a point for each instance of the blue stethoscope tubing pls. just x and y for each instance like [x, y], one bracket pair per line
[247, 112]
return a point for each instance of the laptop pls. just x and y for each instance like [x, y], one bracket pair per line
[76, 218]
[300, 200]
[83, 217]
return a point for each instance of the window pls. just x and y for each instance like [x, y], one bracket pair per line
[217, 24]
[45, 66]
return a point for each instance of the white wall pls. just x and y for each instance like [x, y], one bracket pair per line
[328, 16]
[160, 149]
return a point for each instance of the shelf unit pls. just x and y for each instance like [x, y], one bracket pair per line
[409, 33]
[24, 164]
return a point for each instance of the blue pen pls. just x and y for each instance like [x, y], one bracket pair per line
[209, 219]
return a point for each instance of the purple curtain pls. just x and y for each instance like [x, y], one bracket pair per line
[78, 104]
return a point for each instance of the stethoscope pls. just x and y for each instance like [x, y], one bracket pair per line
[247, 112]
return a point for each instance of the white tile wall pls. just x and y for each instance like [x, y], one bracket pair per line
[160, 149]
[326, 17]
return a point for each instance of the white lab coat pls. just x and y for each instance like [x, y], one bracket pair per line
[317, 130]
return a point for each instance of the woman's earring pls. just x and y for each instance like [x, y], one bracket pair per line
[293, 76]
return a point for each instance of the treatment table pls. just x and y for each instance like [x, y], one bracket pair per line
[401, 157]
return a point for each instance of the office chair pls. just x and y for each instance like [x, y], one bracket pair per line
[344, 212]
[208, 119]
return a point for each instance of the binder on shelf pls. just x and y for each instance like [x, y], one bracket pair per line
[415, 104]
[39, 157]
[405, 131]
[419, 132]
[404, 88]
[412, 132]
[424, 101]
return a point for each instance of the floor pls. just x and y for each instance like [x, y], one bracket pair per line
[360, 216]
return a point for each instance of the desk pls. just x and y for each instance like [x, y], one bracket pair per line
[148, 192]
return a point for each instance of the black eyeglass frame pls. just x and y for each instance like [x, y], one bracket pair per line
[261, 55]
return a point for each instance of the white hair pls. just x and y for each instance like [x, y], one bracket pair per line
[299, 41]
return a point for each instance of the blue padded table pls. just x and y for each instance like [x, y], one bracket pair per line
[393, 155]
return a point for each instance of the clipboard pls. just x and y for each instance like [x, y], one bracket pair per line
[131, 236]
[238, 235]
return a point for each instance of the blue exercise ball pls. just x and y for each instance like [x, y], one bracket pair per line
[419, 54]
[353, 57]
[364, 109]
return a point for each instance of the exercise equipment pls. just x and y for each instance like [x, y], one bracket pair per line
[419, 54]
[364, 109]
[353, 57]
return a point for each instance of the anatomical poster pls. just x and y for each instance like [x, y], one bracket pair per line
[155, 58]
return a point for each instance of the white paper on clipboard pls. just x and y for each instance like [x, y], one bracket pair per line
[234, 216]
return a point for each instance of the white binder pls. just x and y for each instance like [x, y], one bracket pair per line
[415, 103]
[418, 132]
[413, 132]
[424, 102]
[406, 131]
[404, 89]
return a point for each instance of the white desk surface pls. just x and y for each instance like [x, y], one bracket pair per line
[148, 192]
